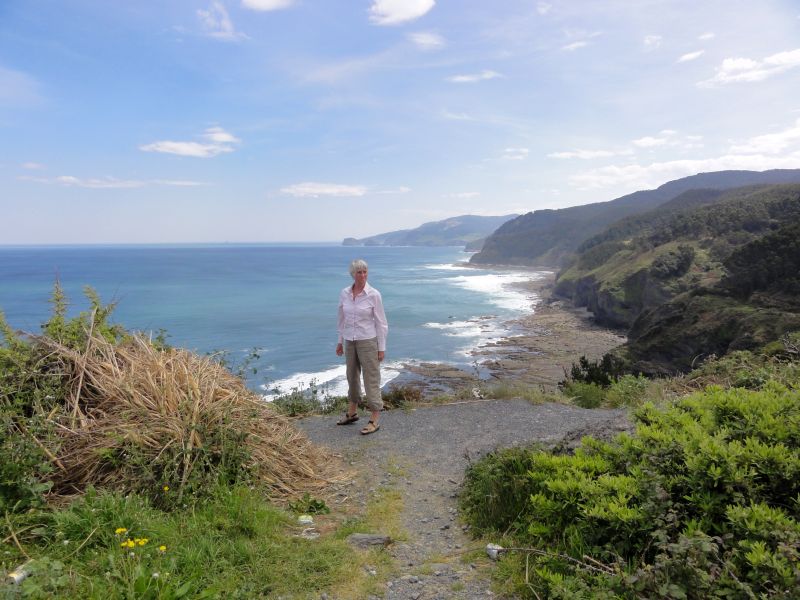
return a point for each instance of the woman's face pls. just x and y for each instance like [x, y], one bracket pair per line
[360, 277]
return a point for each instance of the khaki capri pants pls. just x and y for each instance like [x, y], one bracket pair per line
[362, 358]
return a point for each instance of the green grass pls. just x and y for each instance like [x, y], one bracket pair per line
[236, 545]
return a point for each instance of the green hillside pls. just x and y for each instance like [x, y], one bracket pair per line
[550, 237]
[709, 273]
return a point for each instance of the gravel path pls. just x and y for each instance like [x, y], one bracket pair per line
[432, 446]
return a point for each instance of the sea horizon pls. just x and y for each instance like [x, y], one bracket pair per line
[278, 298]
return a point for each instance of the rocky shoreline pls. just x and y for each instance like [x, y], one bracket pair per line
[541, 346]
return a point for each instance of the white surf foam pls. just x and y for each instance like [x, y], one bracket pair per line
[449, 267]
[498, 287]
[470, 328]
[329, 382]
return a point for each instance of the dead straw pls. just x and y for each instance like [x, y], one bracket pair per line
[133, 395]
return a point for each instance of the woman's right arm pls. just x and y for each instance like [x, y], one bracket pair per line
[340, 328]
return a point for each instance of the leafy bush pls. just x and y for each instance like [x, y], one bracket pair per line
[703, 501]
[601, 372]
[628, 390]
[585, 395]
[673, 263]
[401, 395]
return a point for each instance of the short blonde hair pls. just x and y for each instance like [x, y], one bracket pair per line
[358, 264]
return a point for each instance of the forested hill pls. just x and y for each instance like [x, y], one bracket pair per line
[465, 230]
[551, 236]
[709, 273]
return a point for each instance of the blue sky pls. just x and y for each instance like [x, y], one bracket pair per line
[285, 120]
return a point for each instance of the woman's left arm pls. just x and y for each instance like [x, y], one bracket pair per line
[381, 324]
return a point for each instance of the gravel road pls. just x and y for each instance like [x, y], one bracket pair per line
[433, 445]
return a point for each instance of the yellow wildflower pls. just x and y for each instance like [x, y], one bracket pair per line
[142, 541]
[162, 548]
[166, 488]
[128, 544]
[120, 530]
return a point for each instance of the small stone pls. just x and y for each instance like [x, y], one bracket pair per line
[437, 573]
[366, 540]
[305, 519]
[445, 526]
[390, 584]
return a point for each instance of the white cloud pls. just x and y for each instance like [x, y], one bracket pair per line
[311, 189]
[575, 45]
[771, 143]
[670, 138]
[427, 41]
[217, 23]
[218, 142]
[32, 166]
[708, 35]
[737, 70]
[108, 183]
[220, 136]
[583, 154]
[18, 89]
[179, 182]
[401, 190]
[651, 42]
[691, 56]
[515, 153]
[649, 142]
[543, 7]
[637, 177]
[456, 116]
[265, 5]
[394, 12]
[474, 77]
[462, 195]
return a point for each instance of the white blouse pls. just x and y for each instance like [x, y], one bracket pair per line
[362, 318]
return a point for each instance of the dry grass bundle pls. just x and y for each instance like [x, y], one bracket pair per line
[139, 417]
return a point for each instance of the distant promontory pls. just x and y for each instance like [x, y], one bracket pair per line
[466, 230]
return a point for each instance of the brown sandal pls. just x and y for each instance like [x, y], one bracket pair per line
[347, 419]
[371, 427]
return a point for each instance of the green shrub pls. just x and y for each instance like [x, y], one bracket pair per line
[496, 489]
[702, 501]
[601, 372]
[628, 390]
[585, 395]
[401, 395]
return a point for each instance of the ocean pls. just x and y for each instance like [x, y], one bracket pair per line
[280, 299]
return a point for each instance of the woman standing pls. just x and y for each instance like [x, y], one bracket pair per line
[362, 329]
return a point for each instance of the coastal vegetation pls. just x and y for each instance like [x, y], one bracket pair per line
[701, 500]
[705, 274]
